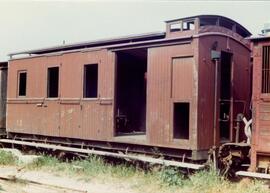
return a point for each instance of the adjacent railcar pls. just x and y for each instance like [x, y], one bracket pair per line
[180, 90]
[3, 97]
[260, 154]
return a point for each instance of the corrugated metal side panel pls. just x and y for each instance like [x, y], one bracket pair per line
[35, 77]
[260, 131]
[263, 131]
[242, 89]
[51, 107]
[62, 116]
[257, 72]
[71, 75]
[90, 119]
[155, 111]
[70, 120]
[182, 78]
[107, 74]
[22, 117]
[206, 91]
[241, 85]
[261, 108]
[184, 89]
[50, 118]
[159, 100]
[96, 121]
[21, 121]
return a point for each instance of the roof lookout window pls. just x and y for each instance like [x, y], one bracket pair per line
[182, 25]
[208, 21]
[226, 24]
[175, 27]
[188, 25]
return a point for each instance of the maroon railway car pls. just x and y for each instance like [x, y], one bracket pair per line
[260, 156]
[178, 91]
[3, 97]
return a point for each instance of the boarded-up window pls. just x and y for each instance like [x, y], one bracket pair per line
[90, 81]
[53, 82]
[266, 69]
[182, 78]
[181, 121]
[22, 83]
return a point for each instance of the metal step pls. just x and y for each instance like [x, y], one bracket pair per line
[253, 175]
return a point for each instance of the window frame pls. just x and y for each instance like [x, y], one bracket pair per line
[264, 88]
[47, 81]
[84, 82]
[18, 83]
[189, 129]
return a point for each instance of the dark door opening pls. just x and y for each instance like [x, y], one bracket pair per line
[225, 96]
[130, 102]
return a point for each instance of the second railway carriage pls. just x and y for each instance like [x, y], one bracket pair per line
[3, 97]
[260, 154]
[179, 91]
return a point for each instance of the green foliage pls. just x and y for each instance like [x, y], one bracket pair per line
[256, 187]
[164, 179]
[44, 161]
[171, 177]
[205, 179]
[93, 165]
[123, 171]
[6, 158]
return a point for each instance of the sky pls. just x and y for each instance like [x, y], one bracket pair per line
[26, 25]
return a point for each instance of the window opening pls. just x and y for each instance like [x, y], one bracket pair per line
[181, 120]
[53, 82]
[175, 27]
[90, 81]
[265, 69]
[22, 83]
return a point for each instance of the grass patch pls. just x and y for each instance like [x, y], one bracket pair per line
[44, 161]
[171, 177]
[206, 179]
[165, 179]
[92, 166]
[6, 158]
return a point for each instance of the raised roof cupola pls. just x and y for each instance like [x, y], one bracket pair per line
[180, 27]
[203, 23]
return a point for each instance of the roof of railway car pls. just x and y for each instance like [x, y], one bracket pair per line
[258, 38]
[123, 39]
[101, 42]
[246, 32]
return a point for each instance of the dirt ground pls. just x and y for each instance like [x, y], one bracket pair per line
[11, 187]
[42, 182]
